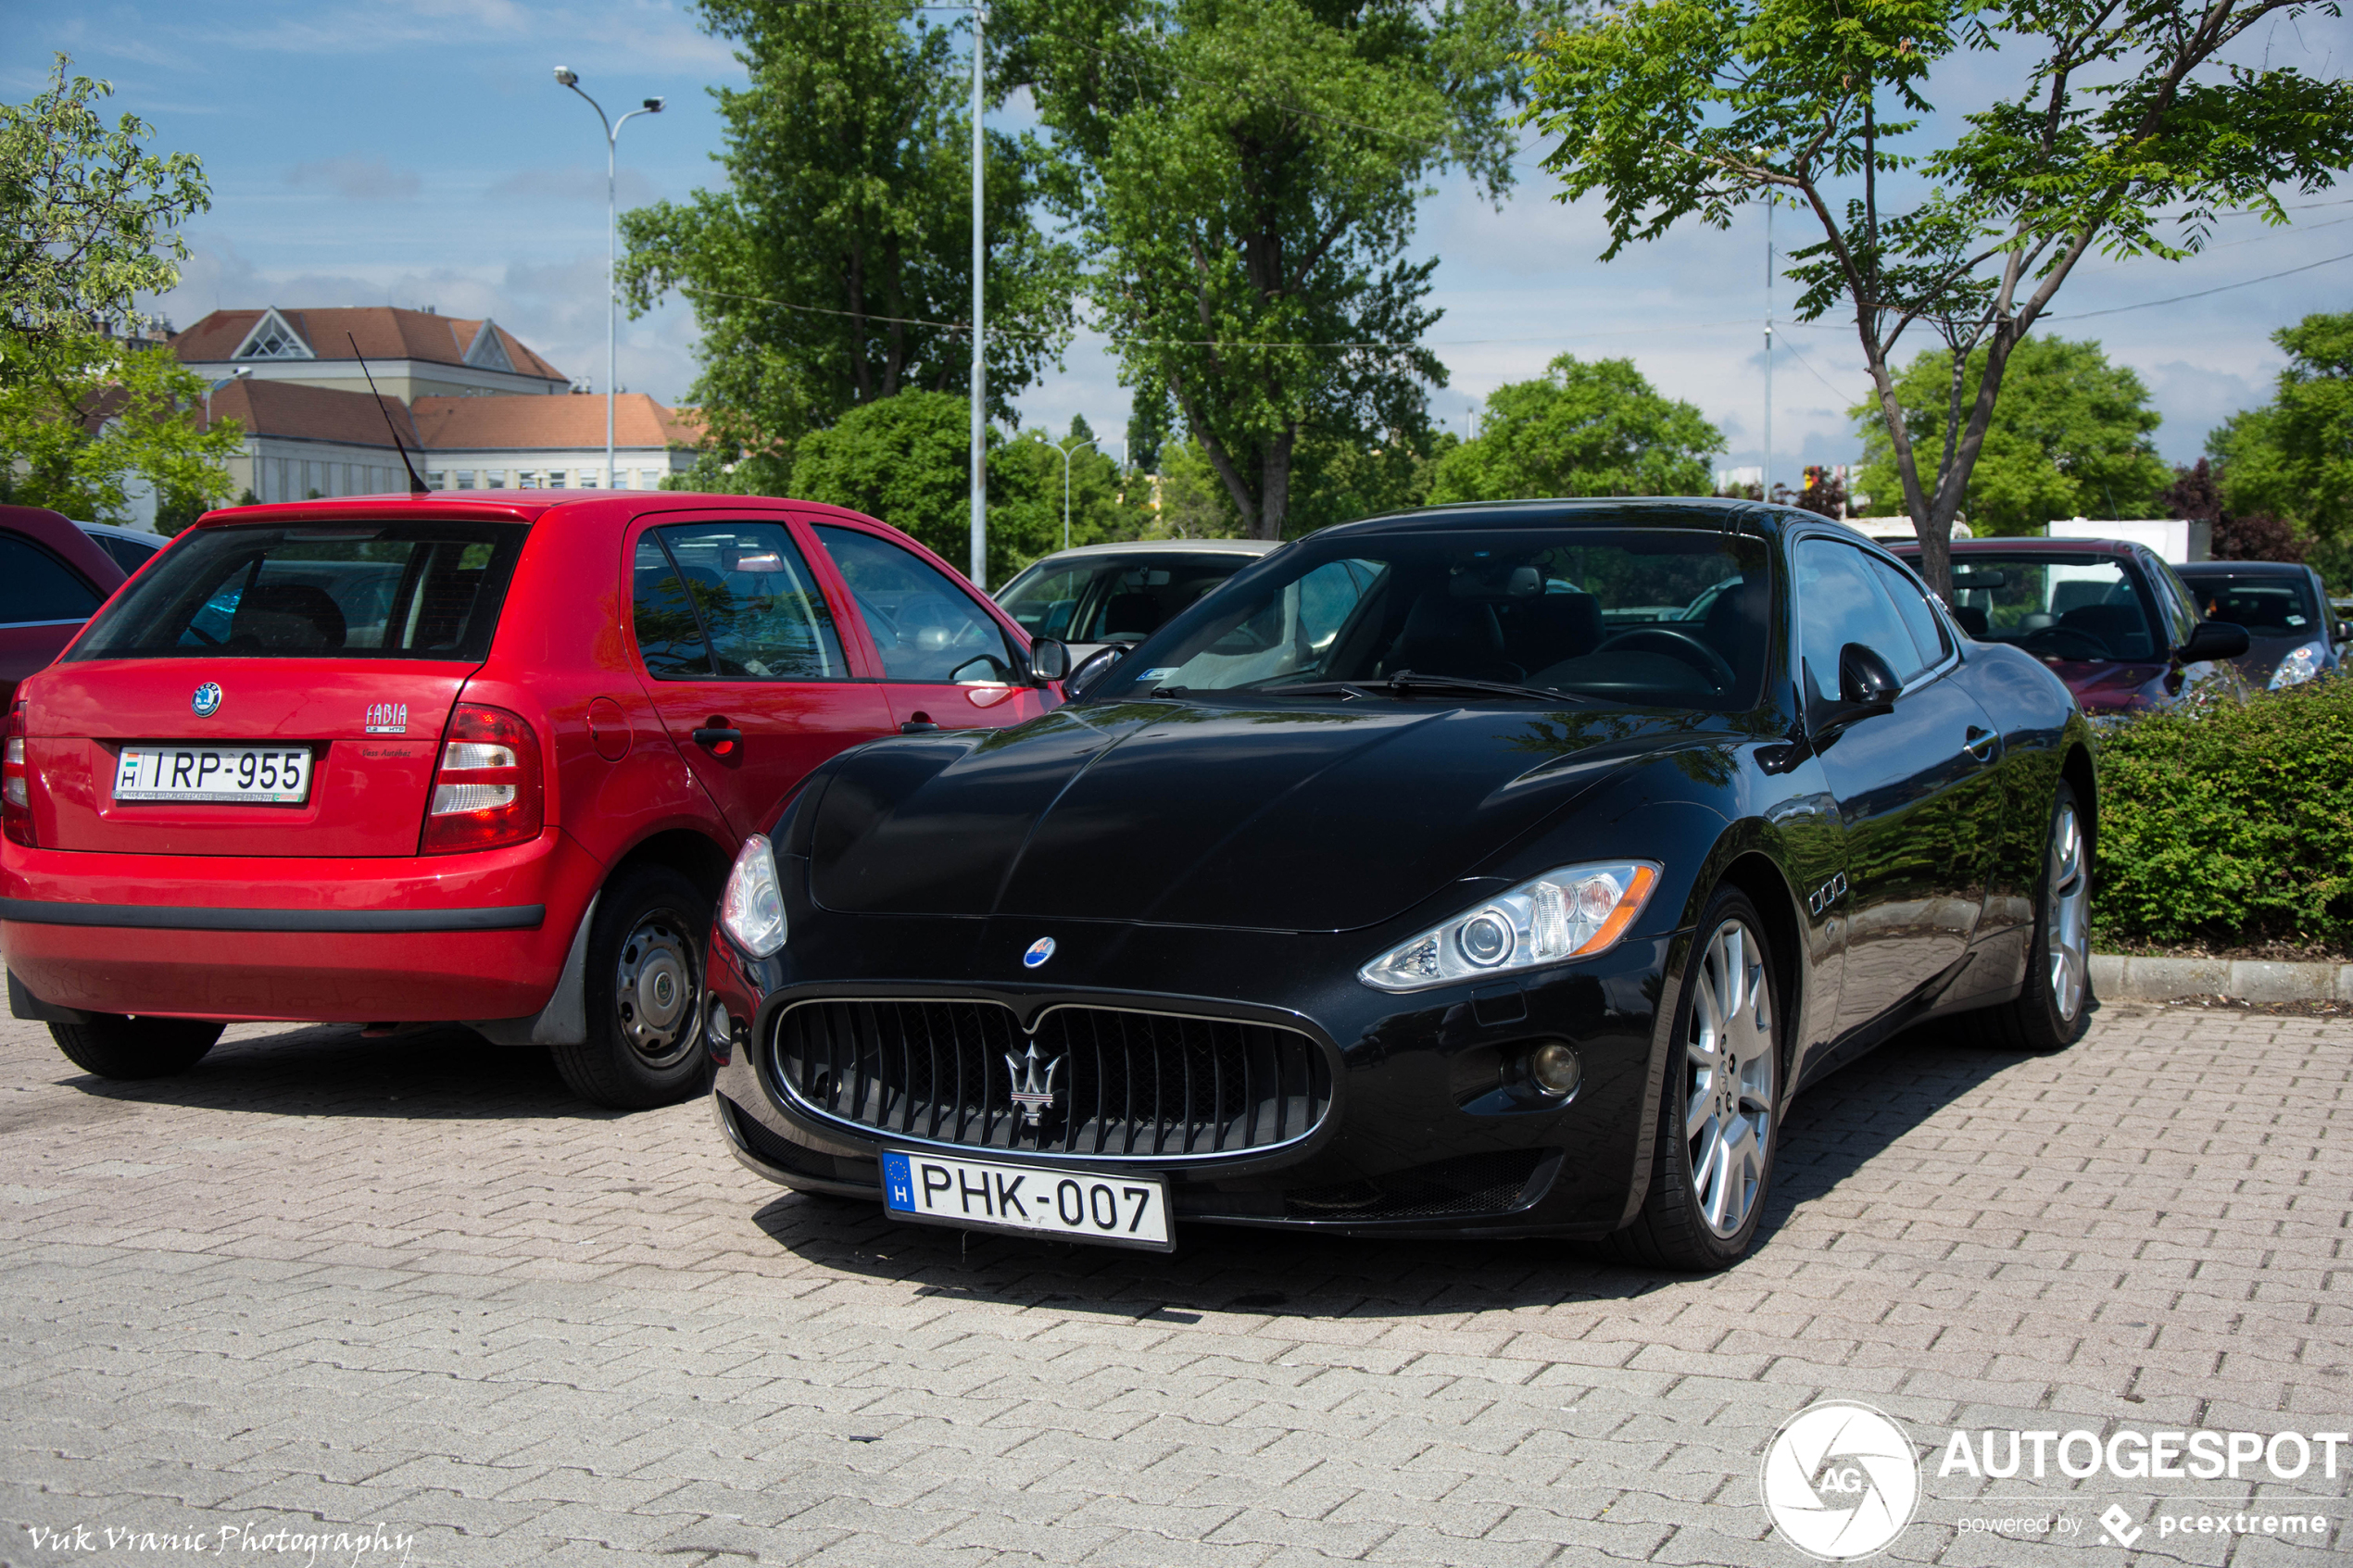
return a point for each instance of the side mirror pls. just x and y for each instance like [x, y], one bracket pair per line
[2343, 634]
[1091, 668]
[1865, 681]
[2214, 639]
[1049, 661]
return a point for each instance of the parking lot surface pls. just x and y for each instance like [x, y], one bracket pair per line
[343, 1300]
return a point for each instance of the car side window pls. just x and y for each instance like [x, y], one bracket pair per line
[926, 626]
[1842, 600]
[37, 586]
[2180, 604]
[1920, 620]
[670, 632]
[759, 606]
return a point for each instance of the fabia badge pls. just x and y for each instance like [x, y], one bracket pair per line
[1840, 1481]
[1032, 1090]
[207, 702]
[1040, 951]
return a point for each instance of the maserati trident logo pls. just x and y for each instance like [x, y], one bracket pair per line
[1040, 951]
[207, 700]
[1033, 1088]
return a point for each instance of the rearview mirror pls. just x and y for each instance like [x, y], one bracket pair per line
[1049, 661]
[2214, 639]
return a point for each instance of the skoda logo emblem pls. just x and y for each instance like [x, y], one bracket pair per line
[1040, 951]
[207, 702]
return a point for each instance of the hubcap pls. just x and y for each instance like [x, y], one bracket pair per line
[1729, 1065]
[2069, 929]
[654, 990]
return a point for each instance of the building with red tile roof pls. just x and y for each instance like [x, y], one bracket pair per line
[412, 353]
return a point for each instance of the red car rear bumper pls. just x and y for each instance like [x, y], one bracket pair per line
[406, 940]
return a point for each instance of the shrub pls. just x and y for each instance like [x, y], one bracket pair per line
[2232, 825]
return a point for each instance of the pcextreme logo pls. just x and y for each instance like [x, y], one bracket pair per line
[1840, 1480]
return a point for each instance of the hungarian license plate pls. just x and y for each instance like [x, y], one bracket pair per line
[1119, 1211]
[251, 775]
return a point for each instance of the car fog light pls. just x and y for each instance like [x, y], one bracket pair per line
[720, 1028]
[1554, 1068]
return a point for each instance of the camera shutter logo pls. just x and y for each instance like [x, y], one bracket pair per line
[1840, 1481]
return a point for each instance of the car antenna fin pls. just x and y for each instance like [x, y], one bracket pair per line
[416, 485]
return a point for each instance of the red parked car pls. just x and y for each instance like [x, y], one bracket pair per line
[456, 757]
[53, 575]
[2108, 617]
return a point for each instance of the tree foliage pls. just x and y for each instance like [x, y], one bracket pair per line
[834, 268]
[81, 417]
[2293, 455]
[2069, 438]
[1597, 429]
[906, 460]
[1245, 180]
[2119, 129]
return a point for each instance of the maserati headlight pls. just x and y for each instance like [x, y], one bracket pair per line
[2300, 665]
[1571, 913]
[752, 909]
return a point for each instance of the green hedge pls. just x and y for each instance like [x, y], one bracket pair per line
[2232, 825]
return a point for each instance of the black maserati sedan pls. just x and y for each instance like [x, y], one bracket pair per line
[1488, 869]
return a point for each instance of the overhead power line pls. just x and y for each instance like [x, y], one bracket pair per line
[2201, 294]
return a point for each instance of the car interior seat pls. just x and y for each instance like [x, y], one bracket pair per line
[1130, 616]
[1552, 627]
[1735, 625]
[1447, 636]
[288, 617]
[1971, 620]
[2122, 627]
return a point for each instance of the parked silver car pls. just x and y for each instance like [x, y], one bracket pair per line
[1099, 596]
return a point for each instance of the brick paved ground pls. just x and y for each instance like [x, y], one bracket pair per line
[325, 1282]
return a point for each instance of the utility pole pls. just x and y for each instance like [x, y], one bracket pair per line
[980, 376]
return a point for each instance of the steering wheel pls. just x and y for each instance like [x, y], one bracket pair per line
[2065, 642]
[1677, 643]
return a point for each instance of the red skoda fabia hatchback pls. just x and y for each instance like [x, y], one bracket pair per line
[455, 757]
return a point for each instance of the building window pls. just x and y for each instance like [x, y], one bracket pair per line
[438, 479]
[589, 480]
[272, 338]
[495, 478]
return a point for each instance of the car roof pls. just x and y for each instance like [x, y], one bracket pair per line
[2242, 569]
[64, 538]
[2011, 546]
[1164, 547]
[1719, 512]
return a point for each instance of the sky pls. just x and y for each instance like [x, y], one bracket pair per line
[421, 154]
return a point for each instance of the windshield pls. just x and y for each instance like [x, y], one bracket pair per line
[405, 590]
[2267, 606]
[1115, 598]
[1642, 616]
[2080, 607]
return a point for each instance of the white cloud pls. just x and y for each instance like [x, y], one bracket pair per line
[357, 179]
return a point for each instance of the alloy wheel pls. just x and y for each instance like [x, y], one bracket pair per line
[2068, 928]
[655, 992]
[1729, 1070]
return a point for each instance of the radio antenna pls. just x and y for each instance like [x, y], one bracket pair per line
[416, 485]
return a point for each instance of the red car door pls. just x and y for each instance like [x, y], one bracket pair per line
[946, 659]
[744, 656]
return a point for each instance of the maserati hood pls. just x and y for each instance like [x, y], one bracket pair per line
[1274, 818]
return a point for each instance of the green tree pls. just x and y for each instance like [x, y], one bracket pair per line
[2069, 438]
[81, 417]
[1598, 429]
[2110, 130]
[88, 222]
[834, 268]
[2293, 455]
[1247, 177]
[906, 460]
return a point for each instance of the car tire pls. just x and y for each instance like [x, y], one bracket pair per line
[113, 1045]
[643, 994]
[1719, 1109]
[2054, 1007]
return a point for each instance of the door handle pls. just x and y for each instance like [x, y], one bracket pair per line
[918, 724]
[718, 737]
[1981, 744]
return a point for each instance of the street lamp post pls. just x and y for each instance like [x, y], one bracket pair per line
[567, 77]
[980, 372]
[1068, 453]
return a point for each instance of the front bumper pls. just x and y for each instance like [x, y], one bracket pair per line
[1427, 1132]
[399, 939]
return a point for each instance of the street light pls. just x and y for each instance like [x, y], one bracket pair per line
[1068, 453]
[567, 77]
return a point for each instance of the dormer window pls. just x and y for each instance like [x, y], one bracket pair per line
[272, 338]
[488, 352]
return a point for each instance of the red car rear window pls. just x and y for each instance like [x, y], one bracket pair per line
[400, 590]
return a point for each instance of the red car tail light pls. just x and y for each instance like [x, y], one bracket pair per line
[16, 784]
[486, 791]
